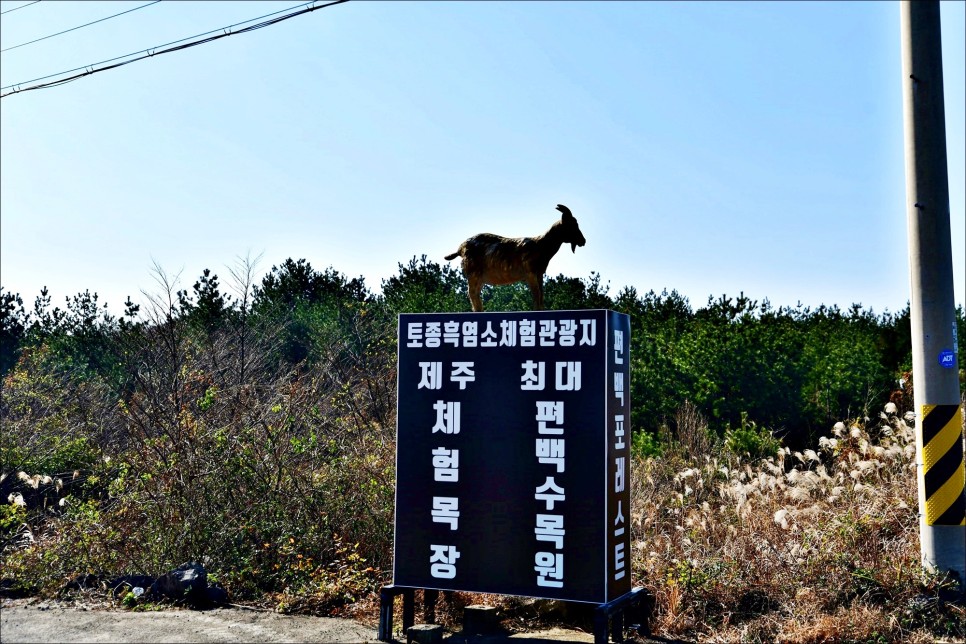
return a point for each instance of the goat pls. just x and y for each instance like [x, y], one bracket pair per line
[492, 259]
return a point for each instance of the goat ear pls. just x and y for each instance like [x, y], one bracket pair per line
[565, 210]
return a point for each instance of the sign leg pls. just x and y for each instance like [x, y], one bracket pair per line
[386, 599]
[409, 608]
[429, 606]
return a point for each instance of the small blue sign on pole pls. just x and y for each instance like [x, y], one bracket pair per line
[513, 454]
[947, 359]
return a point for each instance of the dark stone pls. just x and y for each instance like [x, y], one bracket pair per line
[425, 634]
[11, 589]
[480, 620]
[216, 595]
[188, 582]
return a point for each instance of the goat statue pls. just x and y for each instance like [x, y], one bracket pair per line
[492, 259]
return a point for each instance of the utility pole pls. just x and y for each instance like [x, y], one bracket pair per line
[935, 362]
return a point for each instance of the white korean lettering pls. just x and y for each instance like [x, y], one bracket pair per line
[588, 332]
[548, 333]
[567, 332]
[443, 561]
[446, 464]
[430, 375]
[549, 493]
[568, 376]
[469, 334]
[462, 373]
[550, 412]
[619, 475]
[414, 334]
[446, 509]
[618, 347]
[619, 431]
[550, 451]
[451, 333]
[533, 376]
[550, 527]
[619, 386]
[432, 334]
[549, 568]
[488, 337]
[447, 417]
[508, 333]
[528, 329]
[619, 563]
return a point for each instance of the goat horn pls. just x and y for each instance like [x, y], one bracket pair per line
[565, 210]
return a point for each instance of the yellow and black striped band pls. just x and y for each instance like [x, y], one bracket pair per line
[943, 470]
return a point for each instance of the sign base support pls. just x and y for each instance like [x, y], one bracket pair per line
[607, 615]
[387, 600]
[613, 612]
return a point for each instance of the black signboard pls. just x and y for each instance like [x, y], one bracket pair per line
[512, 462]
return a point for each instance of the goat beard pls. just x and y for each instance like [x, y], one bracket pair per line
[573, 248]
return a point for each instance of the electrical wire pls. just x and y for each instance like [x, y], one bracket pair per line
[155, 51]
[20, 7]
[24, 44]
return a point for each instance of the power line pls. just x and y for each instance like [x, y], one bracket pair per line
[155, 51]
[23, 44]
[20, 7]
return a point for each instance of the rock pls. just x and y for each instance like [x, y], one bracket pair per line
[11, 589]
[216, 595]
[480, 620]
[425, 634]
[188, 582]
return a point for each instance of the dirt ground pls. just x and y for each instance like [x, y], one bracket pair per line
[48, 621]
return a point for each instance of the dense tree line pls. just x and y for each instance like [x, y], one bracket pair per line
[793, 370]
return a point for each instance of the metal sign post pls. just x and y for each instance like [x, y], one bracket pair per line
[939, 438]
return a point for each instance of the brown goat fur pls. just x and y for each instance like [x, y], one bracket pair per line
[493, 259]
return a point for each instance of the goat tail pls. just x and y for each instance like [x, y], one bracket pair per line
[453, 255]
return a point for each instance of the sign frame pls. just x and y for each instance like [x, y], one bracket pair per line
[487, 493]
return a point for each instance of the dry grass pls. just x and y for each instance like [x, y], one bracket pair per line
[812, 546]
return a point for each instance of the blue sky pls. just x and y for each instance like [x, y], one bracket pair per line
[710, 148]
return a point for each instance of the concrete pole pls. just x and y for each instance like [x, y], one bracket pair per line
[939, 437]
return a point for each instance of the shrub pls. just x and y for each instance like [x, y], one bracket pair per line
[748, 440]
[644, 444]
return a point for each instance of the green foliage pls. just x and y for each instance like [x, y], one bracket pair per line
[13, 329]
[844, 375]
[423, 286]
[297, 282]
[508, 297]
[560, 293]
[48, 420]
[303, 303]
[748, 440]
[208, 308]
[740, 358]
[12, 517]
[795, 370]
[563, 293]
[644, 444]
